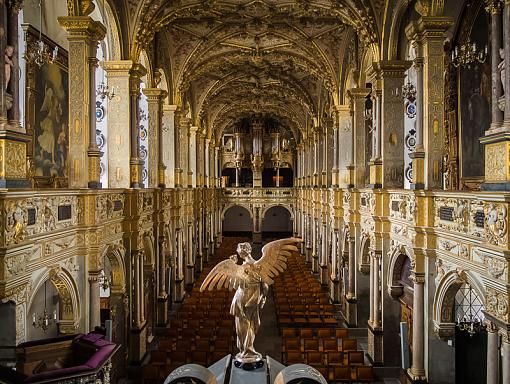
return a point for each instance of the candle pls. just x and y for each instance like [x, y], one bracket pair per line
[33, 318]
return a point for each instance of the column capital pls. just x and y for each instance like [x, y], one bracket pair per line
[359, 93]
[16, 5]
[433, 26]
[392, 68]
[82, 28]
[418, 277]
[193, 129]
[493, 7]
[169, 108]
[154, 94]
[117, 67]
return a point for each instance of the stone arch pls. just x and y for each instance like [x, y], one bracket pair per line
[231, 205]
[397, 258]
[115, 254]
[69, 301]
[286, 206]
[149, 249]
[364, 254]
[444, 298]
[243, 225]
[274, 207]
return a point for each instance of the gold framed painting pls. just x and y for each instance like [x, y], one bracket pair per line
[47, 113]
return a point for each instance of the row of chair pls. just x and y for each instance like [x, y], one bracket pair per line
[200, 332]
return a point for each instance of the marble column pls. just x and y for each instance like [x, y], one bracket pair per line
[351, 293]
[14, 116]
[315, 159]
[418, 156]
[84, 156]
[505, 365]
[168, 143]
[493, 354]
[192, 159]
[95, 303]
[162, 306]
[417, 371]
[494, 9]
[136, 294]
[506, 39]
[376, 291]
[324, 257]
[156, 166]
[372, 292]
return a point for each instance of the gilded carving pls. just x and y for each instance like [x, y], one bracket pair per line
[496, 303]
[16, 265]
[496, 224]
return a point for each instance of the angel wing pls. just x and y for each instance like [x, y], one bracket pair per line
[226, 274]
[274, 257]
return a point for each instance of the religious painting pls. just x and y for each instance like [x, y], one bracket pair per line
[474, 107]
[48, 116]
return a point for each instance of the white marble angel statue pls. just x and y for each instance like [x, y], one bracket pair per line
[251, 279]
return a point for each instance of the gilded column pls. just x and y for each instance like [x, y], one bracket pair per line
[492, 354]
[345, 145]
[334, 171]
[351, 294]
[192, 160]
[156, 166]
[417, 371]
[200, 159]
[430, 35]
[119, 142]
[178, 143]
[84, 156]
[358, 97]
[135, 162]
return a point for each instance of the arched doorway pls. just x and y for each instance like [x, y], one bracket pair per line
[458, 302]
[276, 223]
[237, 221]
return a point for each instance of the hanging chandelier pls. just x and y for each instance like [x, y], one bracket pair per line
[104, 281]
[44, 321]
[467, 54]
[39, 52]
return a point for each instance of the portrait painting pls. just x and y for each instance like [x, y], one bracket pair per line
[47, 120]
[51, 131]
[474, 107]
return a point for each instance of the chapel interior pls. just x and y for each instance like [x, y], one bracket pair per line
[142, 140]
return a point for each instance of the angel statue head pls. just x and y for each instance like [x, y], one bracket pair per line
[251, 281]
[244, 249]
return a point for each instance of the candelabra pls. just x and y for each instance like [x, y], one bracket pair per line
[368, 108]
[468, 54]
[471, 326]
[409, 91]
[37, 51]
[104, 92]
[44, 321]
[104, 281]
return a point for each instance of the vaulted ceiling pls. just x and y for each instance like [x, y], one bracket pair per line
[230, 59]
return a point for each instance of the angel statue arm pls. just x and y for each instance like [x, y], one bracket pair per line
[251, 280]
